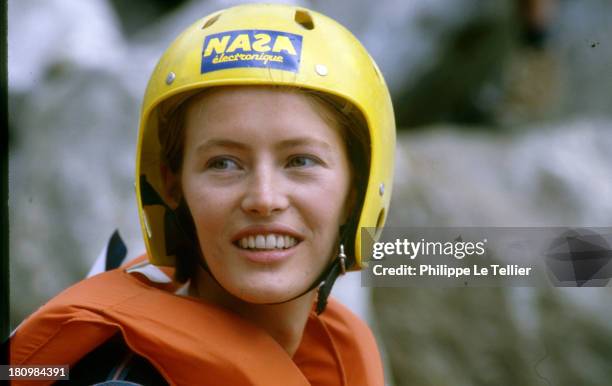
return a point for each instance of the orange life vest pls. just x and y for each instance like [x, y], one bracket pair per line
[193, 343]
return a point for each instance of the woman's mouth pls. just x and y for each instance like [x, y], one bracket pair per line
[271, 248]
[271, 241]
[267, 244]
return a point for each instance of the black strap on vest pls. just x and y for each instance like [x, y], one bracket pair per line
[177, 238]
[113, 363]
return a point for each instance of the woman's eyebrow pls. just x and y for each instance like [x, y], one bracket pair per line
[218, 142]
[303, 141]
[284, 144]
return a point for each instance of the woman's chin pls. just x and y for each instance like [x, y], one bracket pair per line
[267, 295]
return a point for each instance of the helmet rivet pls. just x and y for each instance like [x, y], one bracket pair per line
[381, 189]
[321, 69]
[170, 78]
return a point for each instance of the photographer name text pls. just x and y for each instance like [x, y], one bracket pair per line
[443, 270]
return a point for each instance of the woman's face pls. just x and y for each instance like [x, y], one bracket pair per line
[266, 180]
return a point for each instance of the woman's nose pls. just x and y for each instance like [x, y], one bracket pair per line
[265, 194]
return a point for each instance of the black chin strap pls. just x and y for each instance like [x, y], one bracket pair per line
[324, 281]
[325, 288]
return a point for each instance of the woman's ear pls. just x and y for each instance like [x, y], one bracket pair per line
[172, 187]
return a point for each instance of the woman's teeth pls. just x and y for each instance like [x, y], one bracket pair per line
[267, 242]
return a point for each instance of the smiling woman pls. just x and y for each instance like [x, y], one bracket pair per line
[323, 146]
[254, 178]
[266, 171]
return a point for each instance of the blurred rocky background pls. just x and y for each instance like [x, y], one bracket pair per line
[504, 113]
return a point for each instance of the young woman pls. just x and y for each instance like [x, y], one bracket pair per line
[266, 142]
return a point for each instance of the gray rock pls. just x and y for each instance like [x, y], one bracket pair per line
[543, 176]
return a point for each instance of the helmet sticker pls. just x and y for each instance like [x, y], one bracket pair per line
[251, 48]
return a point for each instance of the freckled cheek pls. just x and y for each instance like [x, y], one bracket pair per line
[210, 210]
[329, 200]
[323, 211]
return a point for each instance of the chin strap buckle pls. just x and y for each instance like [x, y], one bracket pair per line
[342, 258]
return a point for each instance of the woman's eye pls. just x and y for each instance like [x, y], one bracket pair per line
[222, 164]
[302, 161]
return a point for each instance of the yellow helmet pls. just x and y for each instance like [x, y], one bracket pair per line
[259, 44]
